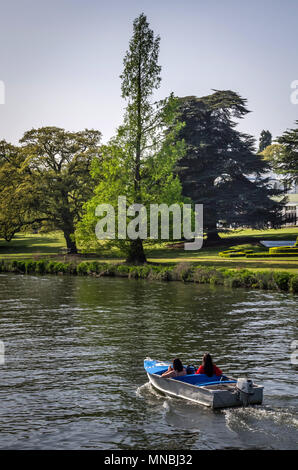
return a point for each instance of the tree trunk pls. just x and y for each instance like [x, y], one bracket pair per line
[213, 237]
[212, 233]
[136, 254]
[70, 243]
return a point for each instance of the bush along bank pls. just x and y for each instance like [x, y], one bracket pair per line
[272, 280]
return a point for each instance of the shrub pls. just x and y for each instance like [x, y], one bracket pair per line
[183, 272]
[282, 280]
[41, 267]
[274, 252]
[108, 269]
[247, 279]
[201, 275]
[284, 249]
[30, 266]
[271, 255]
[265, 280]
[18, 266]
[217, 278]
[231, 254]
[293, 284]
[139, 272]
[82, 268]
[232, 282]
[122, 270]
[165, 274]
[93, 267]
[60, 268]
[205, 275]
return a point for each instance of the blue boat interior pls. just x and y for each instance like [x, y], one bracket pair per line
[159, 367]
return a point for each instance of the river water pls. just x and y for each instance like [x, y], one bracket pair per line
[73, 376]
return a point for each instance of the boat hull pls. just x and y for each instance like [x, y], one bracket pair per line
[215, 395]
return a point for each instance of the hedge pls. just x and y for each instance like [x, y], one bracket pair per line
[272, 255]
[289, 253]
[186, 272]
[284, 249]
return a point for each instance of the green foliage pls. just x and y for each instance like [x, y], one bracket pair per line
[46, 180]
[182, 272]
[274, 252]
[220, 168]
[287, 163]
[271, 255]
[206, 275]
[139, 161]
[59, 164]
[40, 267]
[282, 280]
[18, 195]
[265, 280]
[283, 157]
[82, 268]
[265, 140]
[284, 249]
[232, 254]
[186, 272]
[294, 284]
[30, 266]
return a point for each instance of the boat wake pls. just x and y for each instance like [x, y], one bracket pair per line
[148, 391]
[262, 424]
[263, 427]
[255, 414]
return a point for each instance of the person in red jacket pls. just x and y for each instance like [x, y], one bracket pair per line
[208, 367]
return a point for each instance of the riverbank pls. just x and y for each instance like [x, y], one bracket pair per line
[52, 246]
[185, 272]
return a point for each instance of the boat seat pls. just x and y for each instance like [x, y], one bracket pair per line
[196, 379]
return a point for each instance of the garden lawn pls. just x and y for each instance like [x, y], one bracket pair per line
[52, 245]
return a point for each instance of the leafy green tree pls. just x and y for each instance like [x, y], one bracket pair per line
[265, 140]
[18, 196]
[273, 154]
[138, 162]
[57, 164]
[220, 168]
[141, 75]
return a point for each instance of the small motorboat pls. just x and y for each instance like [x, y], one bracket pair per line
[216, 391]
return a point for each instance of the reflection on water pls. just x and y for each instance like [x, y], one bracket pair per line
[74, 377]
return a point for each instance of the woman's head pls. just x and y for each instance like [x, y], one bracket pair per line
[207, 364]
[177, 365]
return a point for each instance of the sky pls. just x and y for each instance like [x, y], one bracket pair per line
[60, 60]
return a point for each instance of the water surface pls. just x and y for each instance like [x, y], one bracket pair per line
[74, 379]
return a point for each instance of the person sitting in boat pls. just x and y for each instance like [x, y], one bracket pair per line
[176, 370]
[208, 368]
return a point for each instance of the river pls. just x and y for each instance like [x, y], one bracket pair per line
[73, 376]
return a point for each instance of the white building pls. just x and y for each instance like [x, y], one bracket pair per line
[290, 209]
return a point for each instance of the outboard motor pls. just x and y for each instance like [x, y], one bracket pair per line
[245, 388]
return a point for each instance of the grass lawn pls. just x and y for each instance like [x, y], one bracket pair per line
[26, 245]
[287, 233]
[53, 244]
